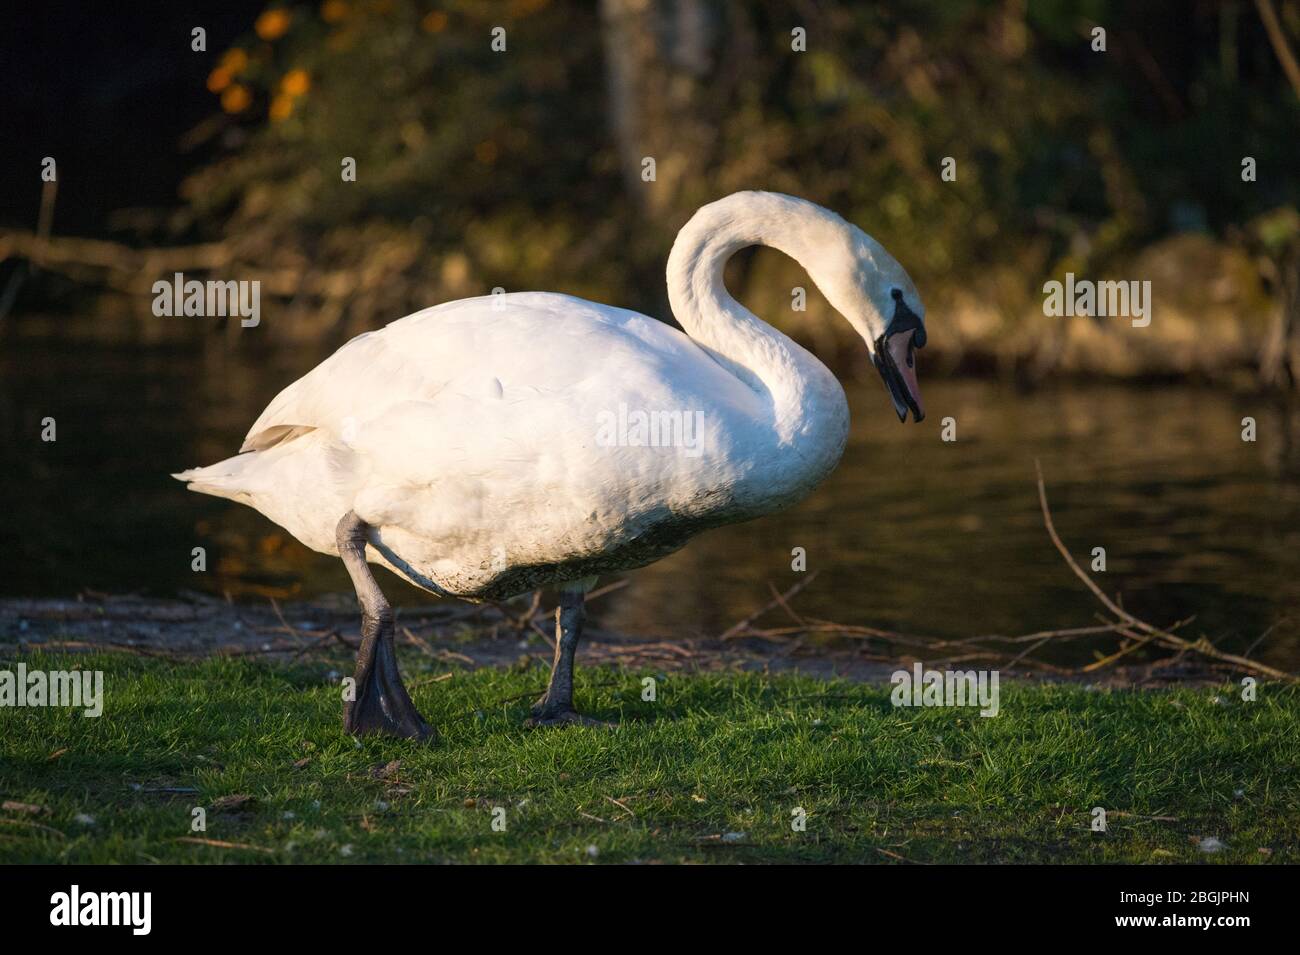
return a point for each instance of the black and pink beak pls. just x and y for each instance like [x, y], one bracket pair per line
[895, 359]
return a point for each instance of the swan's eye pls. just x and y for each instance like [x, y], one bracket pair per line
[896, 294]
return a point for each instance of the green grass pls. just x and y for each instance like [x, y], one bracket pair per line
[715, 754]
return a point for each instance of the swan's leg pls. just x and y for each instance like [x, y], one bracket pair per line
[382, 704]
[555, 708]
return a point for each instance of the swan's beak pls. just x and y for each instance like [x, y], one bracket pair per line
[895, 359]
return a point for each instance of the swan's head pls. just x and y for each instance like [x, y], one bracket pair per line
[894, 355]
[879, 299]
[862, 281]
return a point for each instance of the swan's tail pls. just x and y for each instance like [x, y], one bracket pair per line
[228, 478]
[304, 485]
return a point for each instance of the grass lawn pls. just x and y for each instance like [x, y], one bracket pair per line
[711, 772]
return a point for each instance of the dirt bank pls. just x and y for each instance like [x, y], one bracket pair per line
[463, 635]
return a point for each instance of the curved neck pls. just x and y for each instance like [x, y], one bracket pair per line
[808, 408]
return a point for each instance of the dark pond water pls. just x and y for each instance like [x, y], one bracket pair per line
[911, 533]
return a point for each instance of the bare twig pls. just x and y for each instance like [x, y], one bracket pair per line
[424, 646]
[195, 840]
[780, 599]
[287, 625]
[622, 806]
[1278, 39]
[1157, 635]
[777, 601]
[607, 589]
[895, 855]
[425, 681]
[35, 825]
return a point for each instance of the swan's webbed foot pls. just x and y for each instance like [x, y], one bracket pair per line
[382, 704]
[379, 702]
[547, 715]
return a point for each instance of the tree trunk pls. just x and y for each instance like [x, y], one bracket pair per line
[659, 54]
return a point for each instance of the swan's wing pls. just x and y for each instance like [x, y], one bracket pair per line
[533, 341]
[358, 381]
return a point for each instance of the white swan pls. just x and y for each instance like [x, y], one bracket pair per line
[489, 446]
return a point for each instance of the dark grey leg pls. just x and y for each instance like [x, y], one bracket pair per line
[555, 708]
[382, 704]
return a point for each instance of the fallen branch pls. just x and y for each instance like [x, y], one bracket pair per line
[220, 844]
[1277, 38]
[1137, 632]
[1152, 633]
[777, 601]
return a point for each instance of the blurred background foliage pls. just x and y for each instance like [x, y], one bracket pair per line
[522, 168]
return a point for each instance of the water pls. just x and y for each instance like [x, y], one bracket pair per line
[910, 533]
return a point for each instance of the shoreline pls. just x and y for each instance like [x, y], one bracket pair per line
[197, 626]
